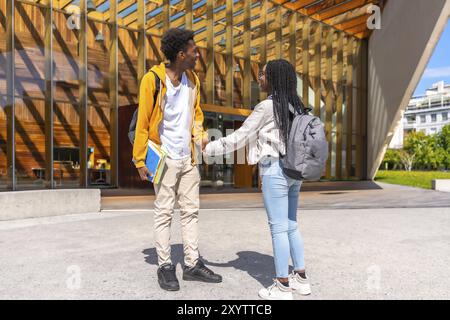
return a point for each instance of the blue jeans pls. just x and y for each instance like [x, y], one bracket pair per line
[280, 195]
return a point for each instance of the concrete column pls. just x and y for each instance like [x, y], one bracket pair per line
[398, 55]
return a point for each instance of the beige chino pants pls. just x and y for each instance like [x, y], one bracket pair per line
[180, 180]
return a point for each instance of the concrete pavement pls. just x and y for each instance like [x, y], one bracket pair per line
[347, 195]
[371, 253]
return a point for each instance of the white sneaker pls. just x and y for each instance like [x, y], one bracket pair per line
[276, 291]
[299, 284]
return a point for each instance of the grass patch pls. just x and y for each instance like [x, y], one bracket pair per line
[418, 179]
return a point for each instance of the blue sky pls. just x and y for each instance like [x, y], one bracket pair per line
[439, 65]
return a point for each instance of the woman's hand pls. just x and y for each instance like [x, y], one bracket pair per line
[208, 150]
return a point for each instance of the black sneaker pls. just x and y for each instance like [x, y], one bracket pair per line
[200, 272]
[167, 278]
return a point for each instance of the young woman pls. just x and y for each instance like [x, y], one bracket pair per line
[266, 132]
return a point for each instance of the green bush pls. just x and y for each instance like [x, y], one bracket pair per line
[426, 152]
[391, 160]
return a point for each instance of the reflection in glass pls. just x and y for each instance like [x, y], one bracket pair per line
[30, 143]
[99, 151]
[3, 120]
[127, 61]
[66, 158]
[3, 151]
[30, 51]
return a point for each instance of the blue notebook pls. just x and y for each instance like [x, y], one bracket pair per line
[154, 161]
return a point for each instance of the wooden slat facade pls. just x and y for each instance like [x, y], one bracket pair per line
[327, 52]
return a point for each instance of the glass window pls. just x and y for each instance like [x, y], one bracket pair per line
[30, 144]
[3, 118]
[99, 161]
[433, 118]
[29, 68]
[411, 119]
[66, 121]
[423, 119]
[3, 150]
[445, 116]
[127, 54]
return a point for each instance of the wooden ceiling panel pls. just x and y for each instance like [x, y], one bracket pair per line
[347, 15]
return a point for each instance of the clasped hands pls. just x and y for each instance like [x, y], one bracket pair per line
[145, 174]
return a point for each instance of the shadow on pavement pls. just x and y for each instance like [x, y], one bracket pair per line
[257, 265]
[176, 255]
[340, 186]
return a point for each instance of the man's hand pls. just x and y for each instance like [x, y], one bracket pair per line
[205, 141]
[144, 173]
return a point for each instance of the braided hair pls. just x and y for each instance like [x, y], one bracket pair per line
[282, 86]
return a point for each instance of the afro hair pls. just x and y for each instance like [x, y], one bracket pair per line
[174, 41]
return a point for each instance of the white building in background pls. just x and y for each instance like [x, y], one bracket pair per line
[428, 113]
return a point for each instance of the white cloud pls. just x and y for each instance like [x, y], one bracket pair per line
[437, 72]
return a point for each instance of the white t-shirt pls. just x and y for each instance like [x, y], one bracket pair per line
[176, 128]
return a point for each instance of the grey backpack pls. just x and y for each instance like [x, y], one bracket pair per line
[306, 150]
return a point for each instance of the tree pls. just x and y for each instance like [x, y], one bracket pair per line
[425, 150]
[443, 146]
[407, 159]
[422, 152]
[391, 159]
[416, 144]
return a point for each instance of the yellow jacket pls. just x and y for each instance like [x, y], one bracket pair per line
[150, 114]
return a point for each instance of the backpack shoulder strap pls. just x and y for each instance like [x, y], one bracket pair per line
[193, 75]
[157, 85]
[303, 121]
[132, 127]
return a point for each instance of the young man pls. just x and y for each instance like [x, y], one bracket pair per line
[174, 121]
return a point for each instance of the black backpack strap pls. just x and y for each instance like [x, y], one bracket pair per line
[157, 86]
[132, 127]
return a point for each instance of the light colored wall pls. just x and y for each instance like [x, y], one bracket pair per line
[397, 57]
[397, 139]
[45, 203]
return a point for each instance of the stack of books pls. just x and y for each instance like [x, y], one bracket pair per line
[154, 161]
